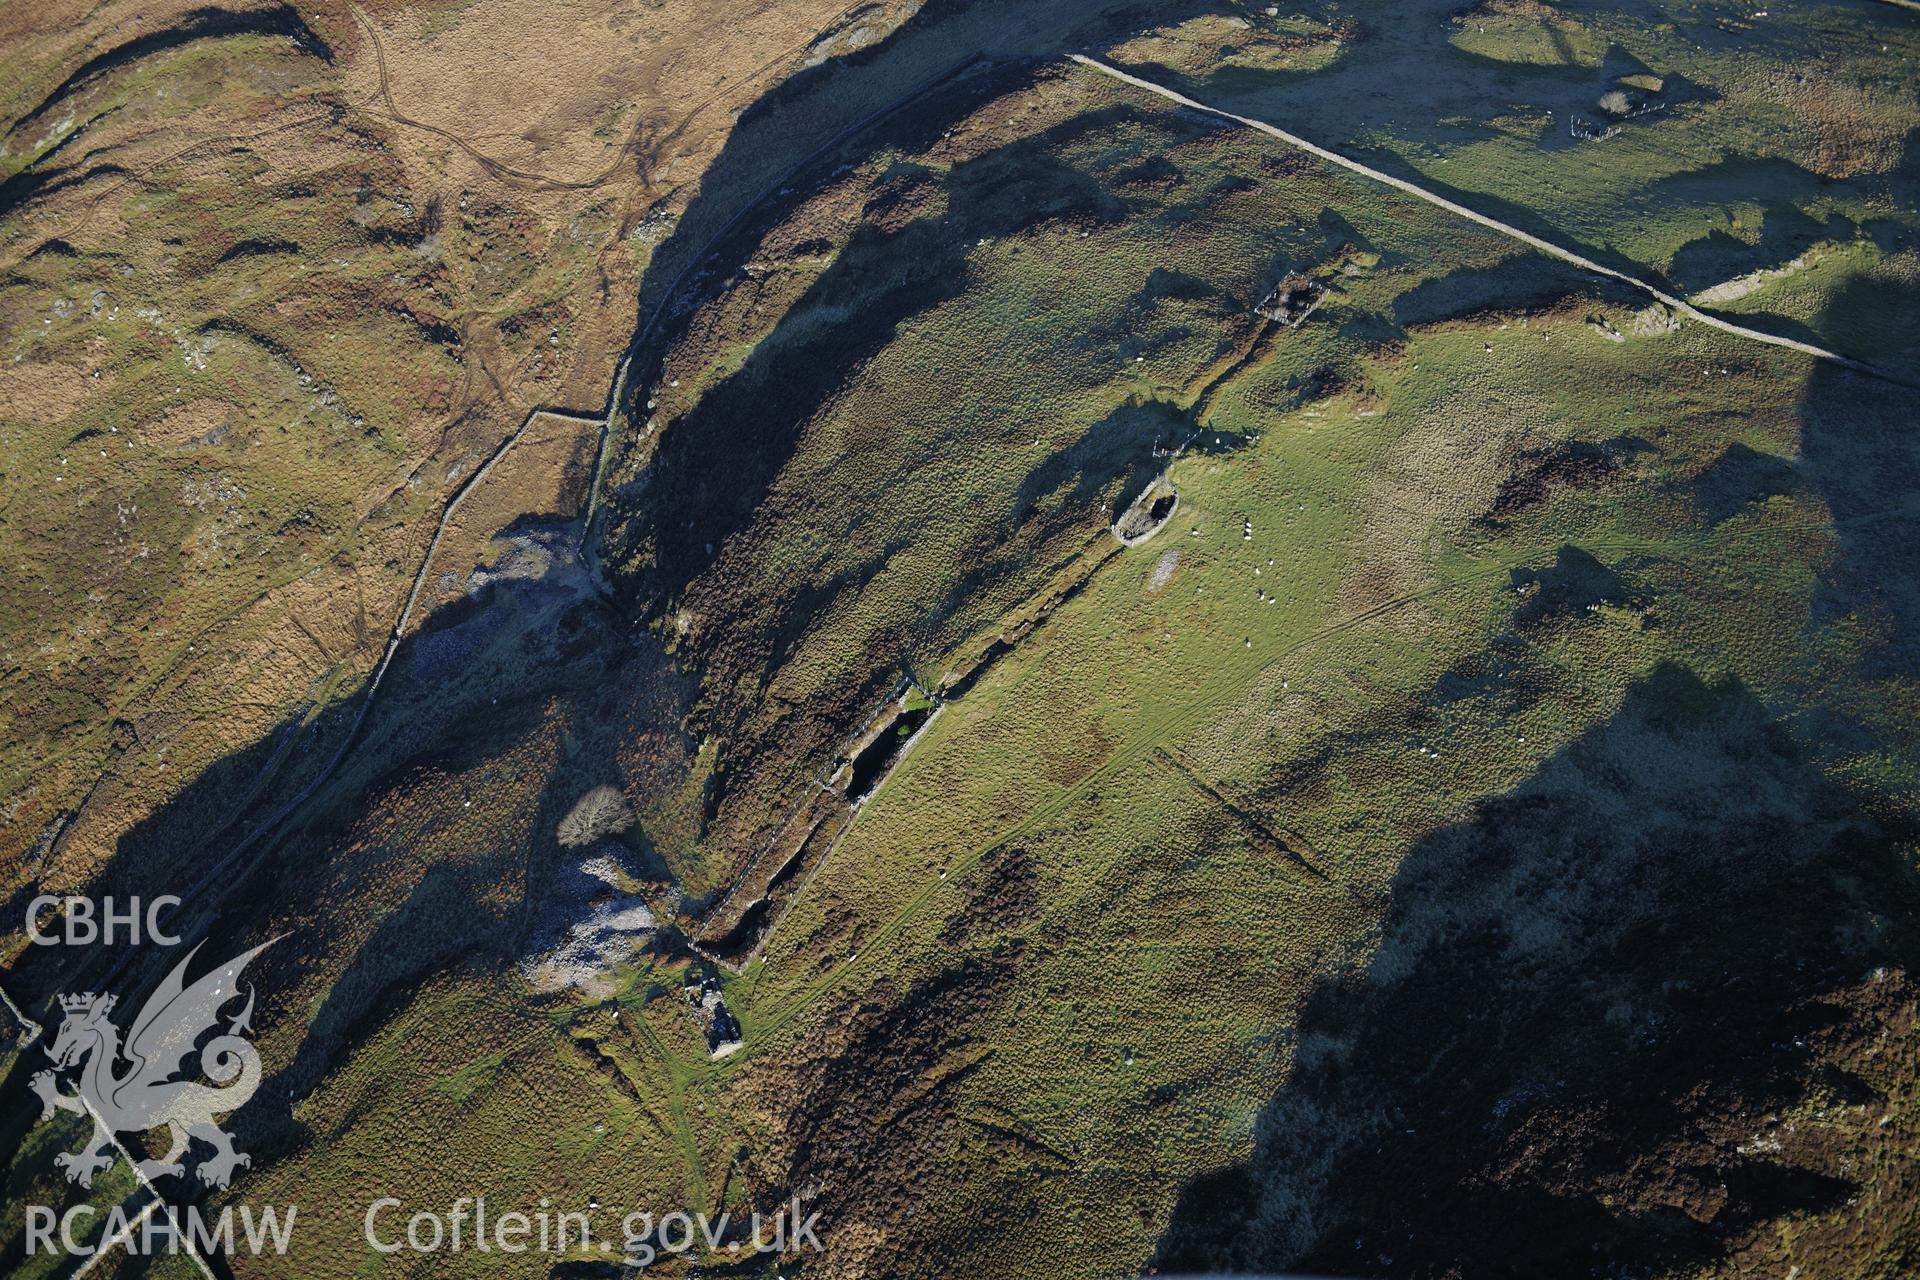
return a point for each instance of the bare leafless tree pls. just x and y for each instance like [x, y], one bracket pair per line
[600, 813]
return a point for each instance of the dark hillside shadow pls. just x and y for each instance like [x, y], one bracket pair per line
[797, 121]
[470, 909]
[1582, 991]
[720, 460]
[1522, 283]
[1109, 464]
[1786, 232]
[1741, 478]
[271, 858]
[1859, 450]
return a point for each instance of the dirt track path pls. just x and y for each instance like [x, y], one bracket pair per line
[1547, 247]
[541, 181]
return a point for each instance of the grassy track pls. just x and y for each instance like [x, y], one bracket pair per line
[1154, 732]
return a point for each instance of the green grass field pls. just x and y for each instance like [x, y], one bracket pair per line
[1517, 663]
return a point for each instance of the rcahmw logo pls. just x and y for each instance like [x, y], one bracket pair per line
[147, 1082]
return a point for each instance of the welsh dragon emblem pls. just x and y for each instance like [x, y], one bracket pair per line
[132, 1088]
